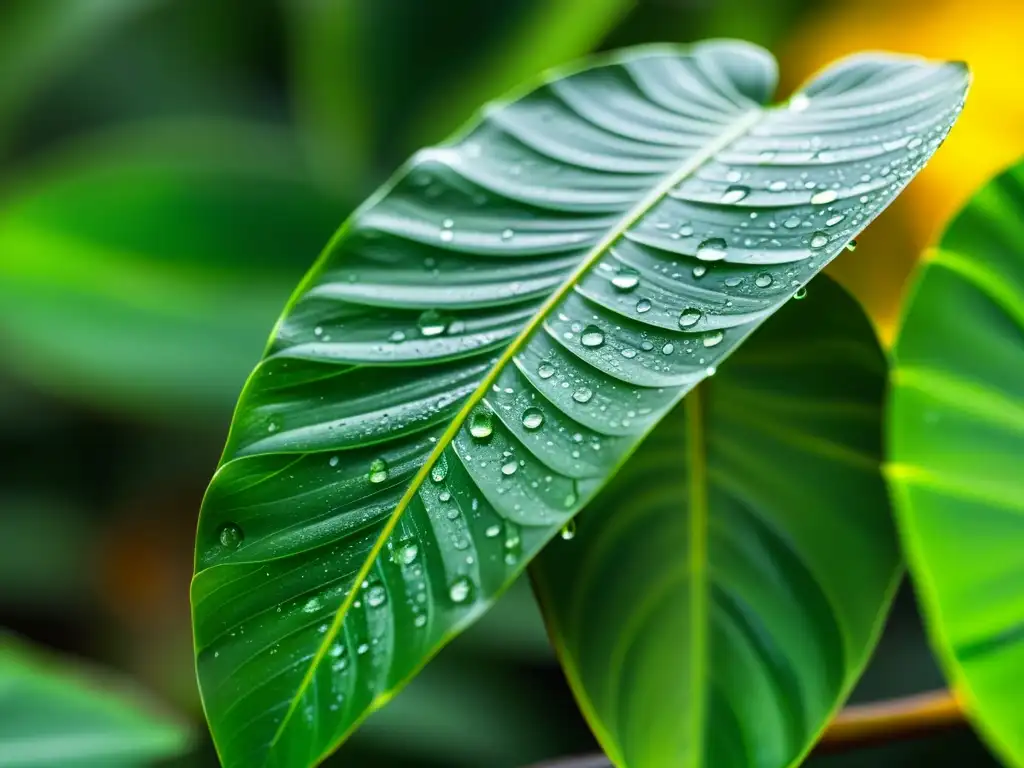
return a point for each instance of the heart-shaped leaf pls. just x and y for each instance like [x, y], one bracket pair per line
[490, 336]
[722, 595]
[956, 440]
[54, 716]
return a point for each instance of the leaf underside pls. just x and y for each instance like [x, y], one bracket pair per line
[722, 594]
[956, 437]
[490, 336]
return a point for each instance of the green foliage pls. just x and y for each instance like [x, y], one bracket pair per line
[720, 598]
[120, 262]
[52, 716]
[956, 439]
[489, 338]
[39, 38]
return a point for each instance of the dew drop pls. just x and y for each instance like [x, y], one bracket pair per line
[376, 596]
[824, 197]
[447, 235]
[685, 230]
[819, 240]
[460, 590]
[713, 249]
[732, 282]
[778, 185]
[713, 339]
[735, 193]
[230, 536]
[378, 471]
[792, 222]
[272, 427]
[799, 103]
[439, 471]
[492, 531]
[626, 280]
[569, 530]
[668, 349]
[431, 323]
[480, 425]
[334, 461]
[509, 467]
[592, 336]
[582, 395]
[507, 234]
[644, 305]
[699, 271]
[396, 337]
[833, 220]
[533, 417]
[545, 370]
[408, 553]
[689, 318]
[318, 331]
[628, 352]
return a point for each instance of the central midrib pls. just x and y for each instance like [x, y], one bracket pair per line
[633, 215]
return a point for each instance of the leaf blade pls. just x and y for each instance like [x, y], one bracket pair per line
[435, 441]
[955, 423]
[718, 536]
[51, 717]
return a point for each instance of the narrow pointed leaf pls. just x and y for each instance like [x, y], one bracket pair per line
[492, 334]
[723, 593]
[51, 715]
[956, 440]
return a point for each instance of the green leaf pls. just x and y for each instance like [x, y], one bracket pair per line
[956, 440]
[327, 59]
[737, 570]
[491, 335]
[39, 38]
[120, 262]
[551, 33]
[50, 715]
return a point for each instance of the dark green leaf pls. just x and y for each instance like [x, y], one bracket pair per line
[491, 335]
[38, 38]
[956, 432]
[720, 598]
[120, 262]
[51, 716]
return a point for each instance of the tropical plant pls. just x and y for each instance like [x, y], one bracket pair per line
[485, 345]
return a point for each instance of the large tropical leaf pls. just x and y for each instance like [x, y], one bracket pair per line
[119, 263]
[722, 595]
[52, 716]
[956, 438]
[492, 334]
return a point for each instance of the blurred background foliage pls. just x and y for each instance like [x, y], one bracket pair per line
[168, 171]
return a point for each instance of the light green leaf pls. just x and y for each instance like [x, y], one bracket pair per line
[52, 716]
[120, 264]
[491, 335]
[956, 440]
[720, 598]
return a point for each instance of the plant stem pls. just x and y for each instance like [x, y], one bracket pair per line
[892, 719]
[856, 726]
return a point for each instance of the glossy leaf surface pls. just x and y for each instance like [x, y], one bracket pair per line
[51, 716]
[492, 334]
[119, 259]
[720, 597]
[956, 431]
